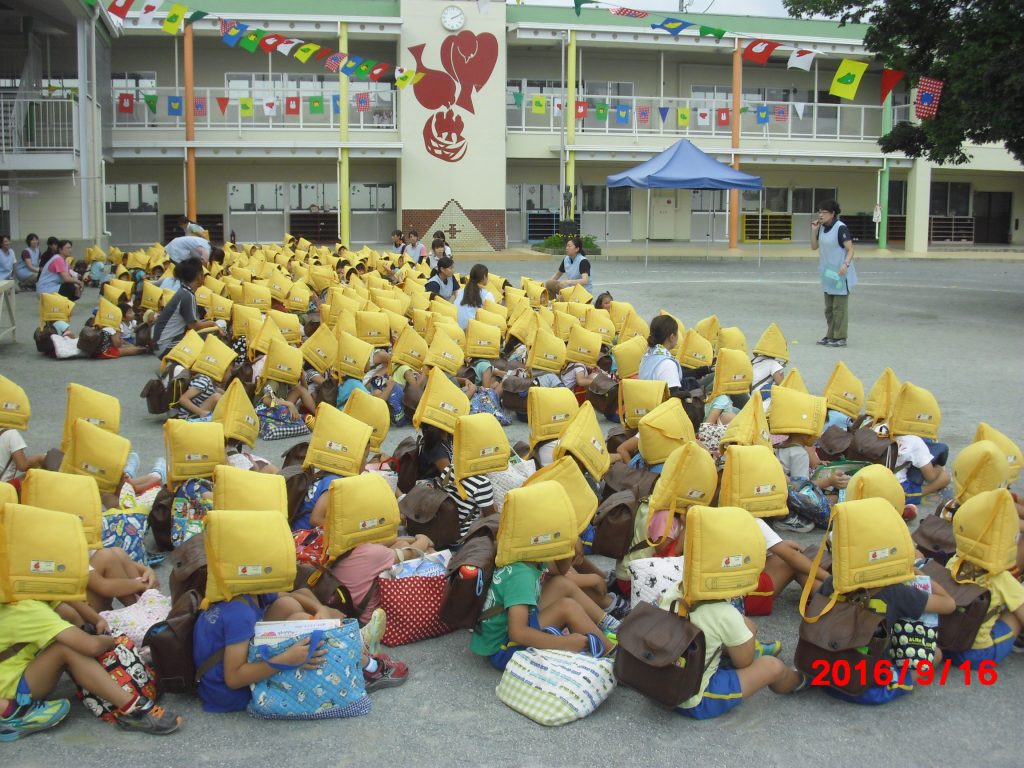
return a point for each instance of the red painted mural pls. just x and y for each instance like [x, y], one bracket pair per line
[468, 62]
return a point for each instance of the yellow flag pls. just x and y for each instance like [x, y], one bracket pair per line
[303, 52]
[540, 104]
[174, 16]
[682, 117]
[847, 79]
[245, 106]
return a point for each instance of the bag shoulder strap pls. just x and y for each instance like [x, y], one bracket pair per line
[805, 595]
[11, 651]
[210, 663]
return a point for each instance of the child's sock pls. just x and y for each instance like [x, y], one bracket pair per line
[609, 624]
[9, 710]
[132, 706]
[371, 666]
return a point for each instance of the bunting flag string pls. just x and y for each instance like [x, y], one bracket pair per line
[890, 78]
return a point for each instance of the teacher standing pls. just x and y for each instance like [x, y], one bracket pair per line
[831, 239]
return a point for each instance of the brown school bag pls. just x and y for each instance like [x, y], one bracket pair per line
[957, 630]
[464, 597]
[622, 477]
[188, 568]
[603, 394]
[431, 512]
[170, 646]
[614, 523]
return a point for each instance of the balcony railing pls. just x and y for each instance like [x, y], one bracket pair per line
[34, 125]
[373, 110]
[642, 116]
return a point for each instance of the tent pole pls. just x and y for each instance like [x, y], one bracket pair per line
[647, 242]
[760, 217]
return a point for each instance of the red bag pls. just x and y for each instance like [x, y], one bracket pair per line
[129, 671]
[413, 607]
[309, 546]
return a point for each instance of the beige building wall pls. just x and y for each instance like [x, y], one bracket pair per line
[49, 207]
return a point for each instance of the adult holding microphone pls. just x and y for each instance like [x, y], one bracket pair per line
[831, 239]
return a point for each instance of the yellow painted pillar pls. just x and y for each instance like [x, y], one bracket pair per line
[191, 205]
[344, 199]
[570, 122]
[737, 98]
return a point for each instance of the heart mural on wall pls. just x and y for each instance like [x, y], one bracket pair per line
[468, 60]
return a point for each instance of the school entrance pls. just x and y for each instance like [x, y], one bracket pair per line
[992, 217]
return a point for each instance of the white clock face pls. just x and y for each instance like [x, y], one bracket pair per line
[453, 18]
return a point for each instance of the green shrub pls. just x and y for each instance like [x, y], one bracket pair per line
[558, 242]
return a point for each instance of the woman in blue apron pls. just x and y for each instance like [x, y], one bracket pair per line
[831, 239]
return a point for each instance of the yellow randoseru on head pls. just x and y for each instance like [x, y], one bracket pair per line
[871, 546]
[372, 411]
[235, 488]
[549, 410]
[844, 391]
[986, 529]
[876, 481]
[442, 403]
[480, 446]
[723, 553]
[339, 442]
[754, 480]
[664, 429]
[77, 495]
[99, 409]
[638, 397]
[749, 426]
[1014, 457]
[538, 524]
[236, 414]
[97, 453]
[979, 467]
[584, 441]
[796, 413]
[193, 449]
[689, 477]
[43, 555]
[360, 510]
[915, 412]
[248, 552]
[567, 474]
[15, 409]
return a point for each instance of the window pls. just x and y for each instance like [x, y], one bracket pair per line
[301, 195]
[372, 197]
[513, 197]
[542, 197]
[131, 198]
[137, 82]
[950, 198]
[262, 196]
[897, 198]
[708, 200]
[593, 199]
[776, 200]
[619, 200]
[806, 199]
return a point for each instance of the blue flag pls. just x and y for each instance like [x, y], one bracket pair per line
[672, 26]
[174, 106]
[234, 34]
[336, 104]
[622, 113]
[763, 115]
[663, 111]
[351, 65]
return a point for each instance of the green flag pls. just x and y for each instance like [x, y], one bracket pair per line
[602, 111]
[517, 97]
[251, 40]
[714, 32]
[151, 99]
[316, 105]
[195, 16]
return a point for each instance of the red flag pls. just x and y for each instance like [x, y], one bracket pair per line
[929, 90]
[890, 77]
[643, 115]
[582, 109]
[120, 8]
[323, 53]
[781, 112]
[363, 102]
[270, 42]
[126, 103]
[222, 102]
[199, 106]
[722, 116]
[758, 51]
[226, 26]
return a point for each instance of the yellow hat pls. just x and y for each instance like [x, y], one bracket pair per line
[549, 410]
[236, 414]
[97, 408]
[772, 344]
[298, 298]
[117, 290]
[15, 409]
[796, 413]
[583, 440]
[245, 321]
[54, 307]
[524, 327]
[353, 355]
[754, 479]
[445, 353]
[373, 328]
[214, 359]
[663, 429]
[1010, 448]
[635, 326]
[267, 334]
[723, 553]
[151, 295]
[619, 311]
[43, 555]
[235, 488]
[733, 373]
[410, 349]
[567, 473]
[536, 293]
[288, 324]
[627, 356]
[689, 477]
[600, 321]
[876, 481]
[74, 494]
[491, 318]
[441, 404]
[882, 395]
[442, 307]
[204, 296]
[709, 328]
[193, 449]
[96, 452]
[547, 353]
[372, 411]
[986, 529]
[513, 293]
[695, 351]
[575, 310]
[844, 391]
[749, 426]
[320, 350]
[480, 447]
[732, 338]
[915, 412]
[483, 340]
[564, 323]
[979, 467]
[794, 380]
[497, 309]
[185, 352]
[576, 293]
[360, 510]
[638, 397]
[339, 442]
[583, 346]
[283, 363]
[257, 296]
[279, 284]
[214, 285]
[108, 315]
[248, 552]
[538, 525]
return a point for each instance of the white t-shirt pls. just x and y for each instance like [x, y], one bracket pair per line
[913, 449]
[187, 247]
[764, 367]
[466, 312]
[771, 538]
[544, 453]
[668, 371]
[11, 442]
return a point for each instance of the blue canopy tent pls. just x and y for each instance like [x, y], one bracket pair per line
[682, 166]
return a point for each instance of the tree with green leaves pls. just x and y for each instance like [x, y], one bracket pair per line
[974, 46]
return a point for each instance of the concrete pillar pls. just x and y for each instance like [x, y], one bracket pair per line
[344, 197]
[919, 184]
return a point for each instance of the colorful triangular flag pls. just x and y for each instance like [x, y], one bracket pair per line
[225, 26]
[798, 107]
[582, 110]
[672, 26]
[333, 63]
[362, 72]
[404, 76]
[722, 116]
[350, 66]
[379, 71]
[151, 101]
[703, 116]
[126, 103]
[890, 78]
[643, 115]
[120, 8]
[195, 16]
[539, 104]
[758, 51]
[363, 101]
[304, 51]
[199, 106]
[336, 104]
[286, 47]
[174, 17]
[762, 115]
[929, 91]
[580, 3]
[270, 42]
[631, 13]
[234, 33]
[682, 117]
[601, 111]
[517, 96]
[781, 113]
[222, 102]
[847, 79]
[714, 32]
[245, 106]
[316, 105]
[324, 53]
[251, 41]
[291, 105]
[174, 106]
[663, 111]
[622, 114]
[148, 16]
[801, 59]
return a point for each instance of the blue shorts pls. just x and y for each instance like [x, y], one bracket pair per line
[23, 696]
[873, 696]
[722, 694]
[1002, 644]
[501, 658]
[913, 492]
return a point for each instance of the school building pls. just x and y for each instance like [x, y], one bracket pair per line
[516, 105]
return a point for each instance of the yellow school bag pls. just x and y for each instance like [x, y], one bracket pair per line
[796, 413]
[986, 529]
[320, 350]
[600, 322]
[538, 524]
[360, 510]
[564, 323]
[97, 408]
[43, 555]
[1010, 448]
[773, 344]
[732, 338]
[638, 397]
[663, 429]
[619, 311]
[267, 334]
[116, 291]
[754, 479]
[709, 328]
[283, 363]
[689, 477]
[584, 441]
[410, 349]
[915, 412]
[15, 409]
[185, 352]
[193, 449]
[844, 391]
[108, 315]
[257, 296]
[733, 373]
[634, 327]
[235, 488]
[445, 353]
[871, 548]
[353, 355]
[549, 410]
[288, 324]
[524, 327]
[882, 395]
[373, 328]
[245, 321]
[749, 426]
[480, 446]
[339, 442]
[441, 404]
[96, 452]
[979, 467]
[547, 353]
[567, 474]
[583, 346]
[248, 552]
[74, 494]
[54, 307]
[794, 380]
[490, 318]
[723, 553]
[214, 359]
[627, 356]
[236, 414]
[695, 351]
[151, 296]
[372, 411]
[876, 481]
[483, 340]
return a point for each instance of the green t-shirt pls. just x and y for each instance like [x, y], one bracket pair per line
[399, 375]
[515, 584]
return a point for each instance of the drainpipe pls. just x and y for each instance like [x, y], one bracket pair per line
[883, 179]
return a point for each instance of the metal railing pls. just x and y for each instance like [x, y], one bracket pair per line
[649, 115]
[40, 124]
[220, 108]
